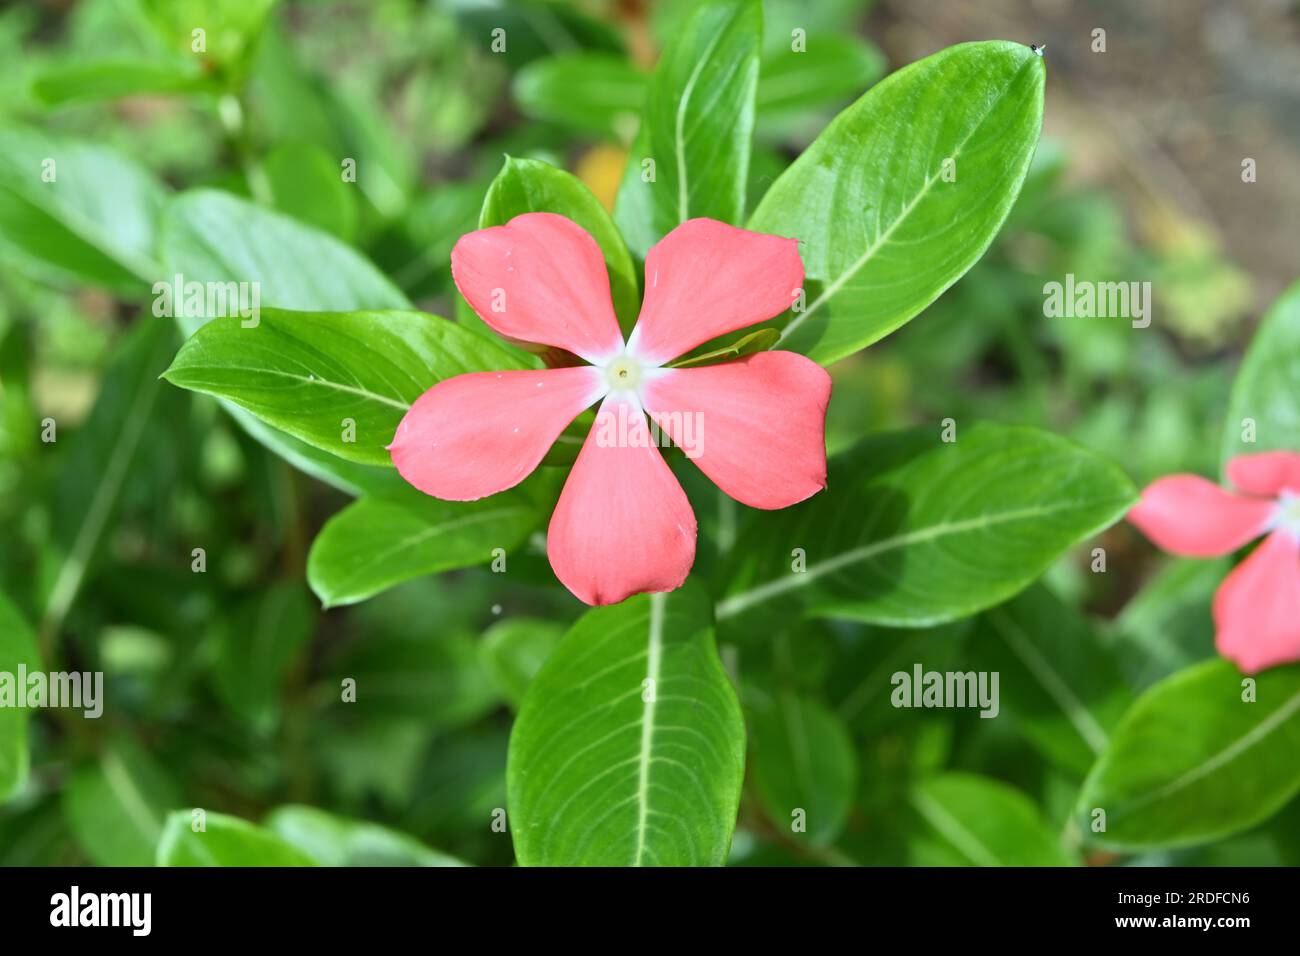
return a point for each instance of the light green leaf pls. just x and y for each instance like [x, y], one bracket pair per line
[914, 531]
[312, 373]
[65, 83]
[78, 211]
[1059, 683]
[696, 128]
[804, 767]
[1192, 761]
[223, 841]
[17, 649]
[595, 92]
[514, 650]
[975, 821]
[629, 748]
[116, 806]
[383, 540]
[210, 236]
[331, 840]
[1267, 389]
[905, 190]
[529, 185]
[759, 341]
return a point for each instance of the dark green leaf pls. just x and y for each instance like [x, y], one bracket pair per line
[594, 92]
[514, 650]
[116, 806]
[975, 821]
[17, 649]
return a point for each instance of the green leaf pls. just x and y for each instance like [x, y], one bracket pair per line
[312, 373]
[231, 29]
[759, 341]
[1058, 683]
[804, 767]
[210, 236]
[974, 821]
[17, 649]
[66, 83]
[223, 841]
[514, 650]
[913, 531]
[307, 183]
[105, 446]
[629, 748]
[1192, 761]
[593, 92]
[830, 68]
[696, 128]
[255, 646]
[529, 185]
[1267, 388]
[331, 840]
[116, 806]
[78, 211]
[885, 226]
[383, 540]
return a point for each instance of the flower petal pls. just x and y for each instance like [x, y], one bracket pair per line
[705, 279]
[623, 525]
[1188, 515]
[1257, 607]
[1266, 474]
[540, 278]
[755, 426]
[474, 435]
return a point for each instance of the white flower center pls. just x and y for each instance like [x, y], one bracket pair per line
[624, 373]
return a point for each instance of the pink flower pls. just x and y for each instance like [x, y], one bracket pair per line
[1257, 607]
[623, 525]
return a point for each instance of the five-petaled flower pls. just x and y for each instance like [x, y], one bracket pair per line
[1257, 607]
[623, 525]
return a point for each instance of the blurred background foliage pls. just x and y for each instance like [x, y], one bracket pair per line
[224, 685]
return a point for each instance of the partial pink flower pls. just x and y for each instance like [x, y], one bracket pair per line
[623, 525]
[1257, 607]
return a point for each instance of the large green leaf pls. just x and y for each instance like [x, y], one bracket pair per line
[116, 805]
[223, 841]
[629, 748]
[78, 210]
[974, 821]
[804, 766]
[310, 373]
[330, 840]
[210, 236]
[1192, 761]
[1058, 682]
[594, 92]
[529, 185]
[696, 128]
[1267, 389]
[17, 648]
[904, 190]
[383, 540]
[913, 531]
